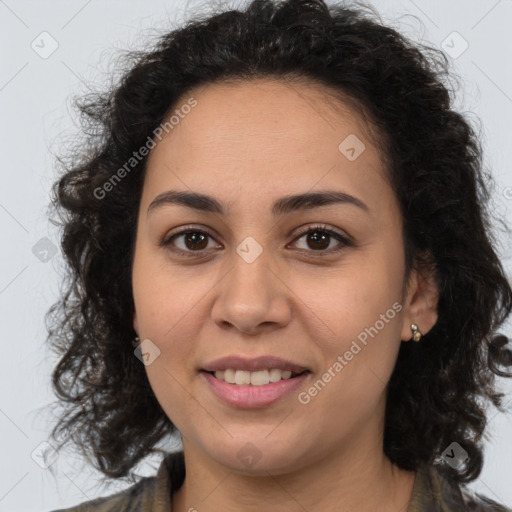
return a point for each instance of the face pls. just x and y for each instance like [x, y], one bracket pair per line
[316, 285]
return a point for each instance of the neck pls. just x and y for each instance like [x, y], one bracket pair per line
[352, 481]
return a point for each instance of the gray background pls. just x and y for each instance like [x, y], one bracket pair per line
[35, 93]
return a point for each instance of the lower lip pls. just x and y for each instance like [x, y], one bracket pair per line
[252, 397]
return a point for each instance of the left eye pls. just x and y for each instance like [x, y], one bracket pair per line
[196, 241]
[321, 236]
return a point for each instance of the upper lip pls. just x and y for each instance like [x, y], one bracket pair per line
[252, 365]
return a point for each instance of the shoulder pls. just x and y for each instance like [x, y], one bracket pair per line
[133, 497]
[479, 503]
[150, 494]
[452, 496]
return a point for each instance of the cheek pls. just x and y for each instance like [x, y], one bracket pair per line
[357, 317]
[165, 296]
[348, 300]
[169, 312]
[172, 310]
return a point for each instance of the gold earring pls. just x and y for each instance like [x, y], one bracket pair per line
[416, 333]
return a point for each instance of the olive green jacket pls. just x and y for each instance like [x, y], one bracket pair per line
[431, 493]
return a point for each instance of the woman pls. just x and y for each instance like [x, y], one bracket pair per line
[281, 209]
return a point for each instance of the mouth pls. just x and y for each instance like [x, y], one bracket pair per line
[256, 389]
[254, 378]
[251, 383]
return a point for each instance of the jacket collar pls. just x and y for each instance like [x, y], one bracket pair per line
[432, 492]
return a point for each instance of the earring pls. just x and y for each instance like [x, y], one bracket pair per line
[135, 341]
[416, 333]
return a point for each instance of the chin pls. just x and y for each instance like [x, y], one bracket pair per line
[258, 458]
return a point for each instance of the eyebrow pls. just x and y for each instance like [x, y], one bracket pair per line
[282, 206]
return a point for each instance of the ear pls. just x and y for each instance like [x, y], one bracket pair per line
[420, 304]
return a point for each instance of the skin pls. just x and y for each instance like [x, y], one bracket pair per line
[248, 144]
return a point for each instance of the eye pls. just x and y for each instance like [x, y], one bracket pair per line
[193, 240]
[320, 237]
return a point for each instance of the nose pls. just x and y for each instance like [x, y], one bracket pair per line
[252, 297]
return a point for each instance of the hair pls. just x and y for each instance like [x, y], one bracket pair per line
[440, 387]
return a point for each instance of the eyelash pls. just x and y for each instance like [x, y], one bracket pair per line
[322, 228]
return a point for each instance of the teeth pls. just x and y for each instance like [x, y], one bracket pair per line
[242, 377]
[229, 376]
[258, 378]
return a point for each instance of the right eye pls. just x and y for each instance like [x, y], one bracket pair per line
[192, 241]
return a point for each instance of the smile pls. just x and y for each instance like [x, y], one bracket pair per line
[243, 393]
[257, 378]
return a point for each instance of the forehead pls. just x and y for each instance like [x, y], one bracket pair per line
[272, 110]
[265, 134]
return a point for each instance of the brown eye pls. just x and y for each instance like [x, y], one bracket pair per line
[195, 240]
[319, 238]
[188, 241]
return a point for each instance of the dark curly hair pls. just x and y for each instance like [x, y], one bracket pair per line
[439, 388]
